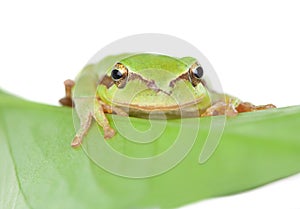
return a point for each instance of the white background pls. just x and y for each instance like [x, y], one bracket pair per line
[254, 47]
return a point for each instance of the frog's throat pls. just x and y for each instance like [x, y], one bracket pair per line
[160, 108]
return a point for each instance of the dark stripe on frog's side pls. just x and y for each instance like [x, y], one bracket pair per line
[186, 76]
[106, 81]
[149, 83]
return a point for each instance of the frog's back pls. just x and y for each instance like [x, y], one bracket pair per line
[144, 61]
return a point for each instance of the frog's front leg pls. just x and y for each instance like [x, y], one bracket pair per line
[101, 118]
[98, 113]
[85, 124]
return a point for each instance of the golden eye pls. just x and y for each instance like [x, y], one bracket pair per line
[116, 74]
[195, 74]
[119, 75]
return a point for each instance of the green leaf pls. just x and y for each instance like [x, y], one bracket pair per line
[39, 169]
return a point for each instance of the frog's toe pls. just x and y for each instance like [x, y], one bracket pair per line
[265, 107]
[109, 132]
[76, 141]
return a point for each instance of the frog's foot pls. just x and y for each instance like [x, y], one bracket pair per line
[67, 100]
[248, 107]
[220, 108]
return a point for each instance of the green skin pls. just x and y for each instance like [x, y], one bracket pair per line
[154, 83]
[150, 89]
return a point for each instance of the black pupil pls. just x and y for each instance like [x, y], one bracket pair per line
[116, 74]
[198, 72]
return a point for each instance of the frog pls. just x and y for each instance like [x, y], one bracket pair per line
[144, 84]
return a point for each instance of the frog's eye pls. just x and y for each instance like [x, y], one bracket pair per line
[119, 75]
[116, 74]
[195, 74]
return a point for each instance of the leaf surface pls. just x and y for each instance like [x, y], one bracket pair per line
[39, 169]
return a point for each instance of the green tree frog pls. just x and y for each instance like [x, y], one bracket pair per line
[142, 84]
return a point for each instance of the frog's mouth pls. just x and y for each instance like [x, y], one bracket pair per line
[165, 108]
[186, 110]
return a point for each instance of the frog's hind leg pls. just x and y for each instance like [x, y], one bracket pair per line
[221, 108]
[248, 107]
[229, 109]
[67, 100]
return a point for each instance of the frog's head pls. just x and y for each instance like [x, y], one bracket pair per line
[150, 82]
